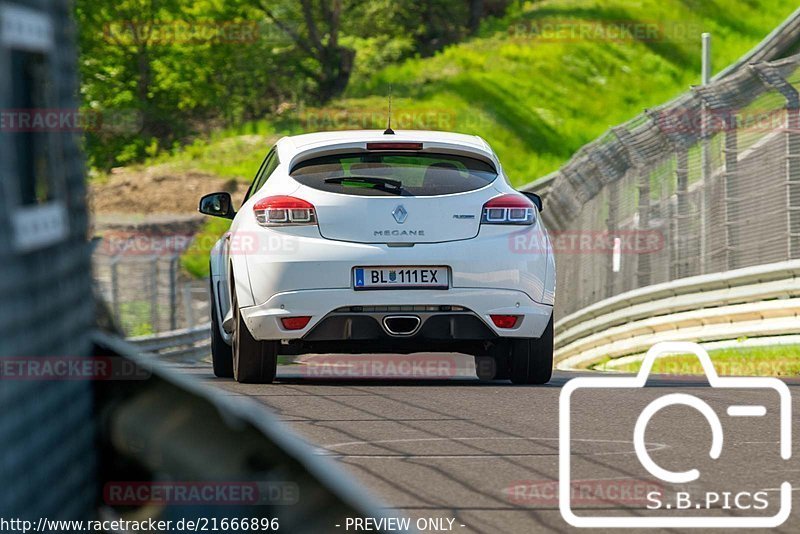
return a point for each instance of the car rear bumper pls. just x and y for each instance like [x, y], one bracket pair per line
[431, 306]
[299, 259]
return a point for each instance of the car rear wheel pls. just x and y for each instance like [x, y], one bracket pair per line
[221, 353]
[532, 359]
[497, 365]
[254, 361]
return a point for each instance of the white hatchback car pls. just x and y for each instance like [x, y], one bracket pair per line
[376, 242]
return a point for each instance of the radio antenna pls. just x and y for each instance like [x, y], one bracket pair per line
[388, 130]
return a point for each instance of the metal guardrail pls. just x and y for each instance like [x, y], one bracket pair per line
[155, 425]
[752, 302]
[185, 344]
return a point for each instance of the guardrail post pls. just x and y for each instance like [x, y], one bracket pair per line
[772, 77]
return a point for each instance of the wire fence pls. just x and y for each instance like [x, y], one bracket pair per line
[150, 294]
[706, 183]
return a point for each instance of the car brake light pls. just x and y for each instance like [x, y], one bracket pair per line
[505, 321]
[295, 323]
[284, 210]
[394, 146]
[508, 209]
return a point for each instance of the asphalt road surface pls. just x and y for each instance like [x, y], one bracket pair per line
[433, 442]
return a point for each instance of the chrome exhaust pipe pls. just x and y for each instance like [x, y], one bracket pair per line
[401, 325]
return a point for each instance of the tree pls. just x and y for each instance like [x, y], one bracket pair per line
[314, 28]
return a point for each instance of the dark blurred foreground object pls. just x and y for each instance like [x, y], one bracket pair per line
[116, 436]
[204, 456]
[47, 466]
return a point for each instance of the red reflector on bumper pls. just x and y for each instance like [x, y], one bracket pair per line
[295, 323]
[505, 321]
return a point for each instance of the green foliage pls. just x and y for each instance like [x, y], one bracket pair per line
[157, 72]
[135, 317]
[538, 99]
[195, 259]
[535, 100]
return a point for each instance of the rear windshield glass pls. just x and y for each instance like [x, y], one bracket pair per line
[400, 174]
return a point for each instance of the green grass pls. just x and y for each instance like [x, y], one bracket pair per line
[774, 360]
[195, 259]
[135, 317]
[535, 100]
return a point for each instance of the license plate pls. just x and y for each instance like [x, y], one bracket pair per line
[401, 278]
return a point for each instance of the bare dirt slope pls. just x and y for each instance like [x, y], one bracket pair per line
[157, 189]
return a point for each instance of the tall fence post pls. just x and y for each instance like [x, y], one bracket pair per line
[173, 292]
[772, 77]
[154, 293]
[681, 240]
[644, 267]
[642, 173]
[611, 228]
[793, 175]
[705, 159]
[732, 202]
[187, 304]
[115, 288]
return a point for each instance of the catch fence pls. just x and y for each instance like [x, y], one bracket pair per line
[706, 183]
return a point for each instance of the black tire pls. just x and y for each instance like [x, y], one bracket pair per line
[532, 359]
[502, 361]
[254, 361]
[495, 366]
[485, 368]
[221, 352]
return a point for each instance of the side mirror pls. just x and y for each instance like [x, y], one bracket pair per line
[536, 199]
[217, 205]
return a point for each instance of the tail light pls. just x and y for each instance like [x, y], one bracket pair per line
[284, 210]
[505, 321]
[508, 209]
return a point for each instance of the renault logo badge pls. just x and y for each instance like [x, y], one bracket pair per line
[400, 214]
